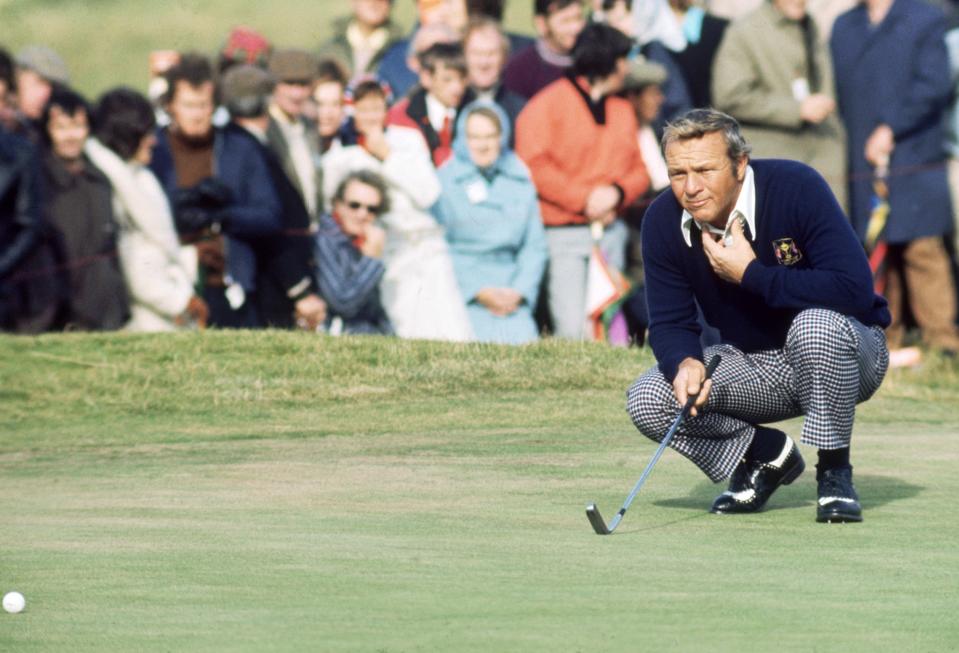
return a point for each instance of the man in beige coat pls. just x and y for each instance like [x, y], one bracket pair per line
[774, 75]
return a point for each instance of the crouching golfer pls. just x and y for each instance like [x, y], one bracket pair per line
[767, 253]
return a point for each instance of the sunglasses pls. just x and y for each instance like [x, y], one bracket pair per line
[371, 208]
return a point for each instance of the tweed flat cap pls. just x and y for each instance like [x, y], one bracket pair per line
[293, 65]
[44, 62]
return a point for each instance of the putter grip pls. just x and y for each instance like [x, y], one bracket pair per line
[710, 368]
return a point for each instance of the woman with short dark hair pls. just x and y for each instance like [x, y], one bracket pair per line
[77, 203]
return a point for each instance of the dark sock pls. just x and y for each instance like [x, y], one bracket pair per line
[766, 445]
[832, 459]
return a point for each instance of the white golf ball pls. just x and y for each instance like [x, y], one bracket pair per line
[13, 602]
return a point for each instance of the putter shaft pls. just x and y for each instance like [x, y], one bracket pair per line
[592, 512]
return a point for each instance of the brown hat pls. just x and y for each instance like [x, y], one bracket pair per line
[643, 72]
[245, 89]
[293, 65]
[44, 62]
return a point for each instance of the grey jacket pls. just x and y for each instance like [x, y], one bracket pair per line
[761, 57]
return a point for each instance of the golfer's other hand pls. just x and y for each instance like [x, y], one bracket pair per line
[691, 381]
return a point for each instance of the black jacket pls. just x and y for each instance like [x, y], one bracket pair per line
[31, 284]
[285, 260]
[80, 207]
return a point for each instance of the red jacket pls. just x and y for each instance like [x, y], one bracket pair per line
[571, 147]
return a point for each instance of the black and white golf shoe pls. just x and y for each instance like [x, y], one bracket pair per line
[838, 501]
[753, 482]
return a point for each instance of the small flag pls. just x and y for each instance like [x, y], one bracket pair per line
[606, 289]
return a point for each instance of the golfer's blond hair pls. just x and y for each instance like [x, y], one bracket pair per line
[700, 122]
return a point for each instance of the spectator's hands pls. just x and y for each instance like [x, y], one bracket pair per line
[200, 207]
[688, 381]
[210, 255]
[196, 313]
[607, 218]
[879, 146]
[214, 194]
[729, 260]
[310, 312]
[374, 241]
[500, 301]
[375, 143]
[816, 108]
[192, 220]
[601, 201]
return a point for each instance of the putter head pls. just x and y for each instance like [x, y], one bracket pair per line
[596, 520]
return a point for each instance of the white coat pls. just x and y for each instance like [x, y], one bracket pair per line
[159, 273]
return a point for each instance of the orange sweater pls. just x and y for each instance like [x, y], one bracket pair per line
[569, 153]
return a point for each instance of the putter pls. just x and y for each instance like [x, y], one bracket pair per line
[592, 512]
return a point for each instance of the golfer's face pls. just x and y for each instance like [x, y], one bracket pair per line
[703, 179]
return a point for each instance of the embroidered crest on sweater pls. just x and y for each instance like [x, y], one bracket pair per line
[786, 251]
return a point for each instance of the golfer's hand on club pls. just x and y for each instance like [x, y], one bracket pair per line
[691, 380]
[730, 259]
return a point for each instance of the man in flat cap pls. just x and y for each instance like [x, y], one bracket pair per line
[38, 69]
[286, 294]
[290, 135]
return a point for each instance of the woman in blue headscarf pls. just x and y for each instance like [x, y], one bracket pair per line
[493, 226]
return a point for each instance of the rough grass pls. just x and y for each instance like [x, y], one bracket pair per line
[276, 491]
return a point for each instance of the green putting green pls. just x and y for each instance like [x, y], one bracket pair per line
[280, 491]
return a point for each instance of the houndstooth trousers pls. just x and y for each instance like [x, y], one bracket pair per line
[830, 363]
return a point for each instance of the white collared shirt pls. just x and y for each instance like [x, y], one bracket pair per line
[436, 111]
[745, 208]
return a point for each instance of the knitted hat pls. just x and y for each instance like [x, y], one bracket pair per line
[643, 72]
[243, 87]
[44, 62]
[293, 65]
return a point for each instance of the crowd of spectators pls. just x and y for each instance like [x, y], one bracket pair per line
[450, 183]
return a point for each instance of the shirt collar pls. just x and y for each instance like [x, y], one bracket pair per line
[375, 41]
[436, 111]
[257, 133]
[284, 121]
[745, 207]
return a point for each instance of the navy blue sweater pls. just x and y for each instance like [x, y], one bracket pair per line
[821, 265]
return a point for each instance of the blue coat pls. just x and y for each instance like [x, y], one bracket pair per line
[238, 161]
[495, 233]
[394, 71]
[896, 73]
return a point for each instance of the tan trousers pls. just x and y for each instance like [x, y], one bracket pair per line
[918, 272]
